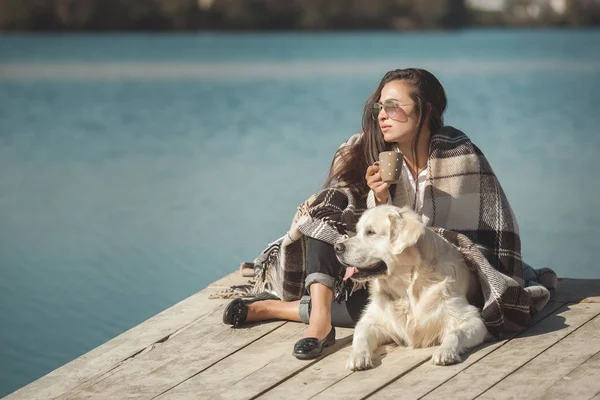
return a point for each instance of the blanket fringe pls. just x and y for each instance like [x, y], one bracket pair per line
[235, 292]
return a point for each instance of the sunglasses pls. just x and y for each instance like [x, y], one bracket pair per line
[392, 110]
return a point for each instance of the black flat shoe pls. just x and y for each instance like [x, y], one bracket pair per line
[236, 312]
[309, 348]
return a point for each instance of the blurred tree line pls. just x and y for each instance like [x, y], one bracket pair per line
[180, 15]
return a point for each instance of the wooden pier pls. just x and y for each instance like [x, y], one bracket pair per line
[186, 352]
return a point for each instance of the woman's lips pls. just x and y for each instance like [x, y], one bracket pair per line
[385, 127]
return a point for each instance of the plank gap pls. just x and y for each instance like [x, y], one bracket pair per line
[395, 379]
[557, 306]
[219, 360]
[117, 367]
[282, 380]
[471, 382]
[538, 355]
[298, 371]
[333, 383]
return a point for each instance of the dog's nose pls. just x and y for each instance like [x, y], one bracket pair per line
[339, 247]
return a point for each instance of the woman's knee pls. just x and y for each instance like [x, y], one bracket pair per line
[321, 259]
[322, 265]
[319, 278]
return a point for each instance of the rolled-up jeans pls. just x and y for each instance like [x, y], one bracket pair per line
[322, 266]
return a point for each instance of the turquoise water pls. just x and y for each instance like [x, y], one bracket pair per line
[136, 169]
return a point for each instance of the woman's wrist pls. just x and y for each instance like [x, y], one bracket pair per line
[380, 201]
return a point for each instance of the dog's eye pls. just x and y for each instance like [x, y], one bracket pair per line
[370, 232]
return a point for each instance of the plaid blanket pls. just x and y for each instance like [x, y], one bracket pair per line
[465, 205]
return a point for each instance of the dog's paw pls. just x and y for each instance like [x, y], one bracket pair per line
[359, 361]
[445, 357]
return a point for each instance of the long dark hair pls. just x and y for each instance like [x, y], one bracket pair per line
[350, 163]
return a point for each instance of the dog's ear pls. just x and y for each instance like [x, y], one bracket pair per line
[405, 230]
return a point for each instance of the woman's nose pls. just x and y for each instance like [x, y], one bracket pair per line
[382, 115]
[339, 247]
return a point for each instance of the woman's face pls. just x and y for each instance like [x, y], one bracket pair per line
[397, 118]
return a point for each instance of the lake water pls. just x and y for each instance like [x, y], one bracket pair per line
[136, 169]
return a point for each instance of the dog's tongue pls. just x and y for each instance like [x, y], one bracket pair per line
[349, 272]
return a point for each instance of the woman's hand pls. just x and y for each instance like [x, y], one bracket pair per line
[378, 186]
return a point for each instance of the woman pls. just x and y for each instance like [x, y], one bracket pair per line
[403, 114]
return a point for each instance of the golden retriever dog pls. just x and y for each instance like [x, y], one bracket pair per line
[418, 288]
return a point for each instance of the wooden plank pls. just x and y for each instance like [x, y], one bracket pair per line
[310, 381]
[277, 370]
[582, 383]
[477, 378]
[222, 375]
[397, 362]
[427, 377]
[176, 360]
[595, 299]
[107, 356]
[115, 361]
[555, 362]
[576, 290]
